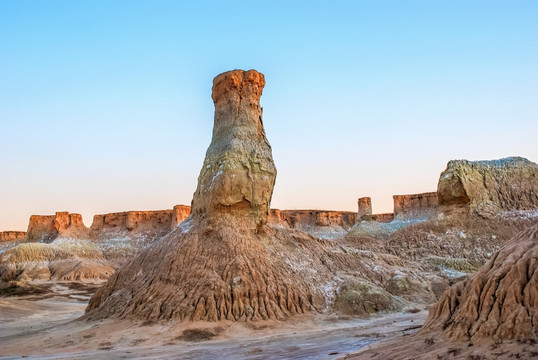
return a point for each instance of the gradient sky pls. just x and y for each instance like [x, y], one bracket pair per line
[106, 105]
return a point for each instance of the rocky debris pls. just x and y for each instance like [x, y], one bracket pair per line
[325, 224]
[499, 301]
[365, 207]
[46, 228]
[486, 188]
[223, 263]
[7, 236]
[362, 298]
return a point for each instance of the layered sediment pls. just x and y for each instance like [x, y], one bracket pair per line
[46, 228]
[415, 205]
[325, 224]
[8, 236]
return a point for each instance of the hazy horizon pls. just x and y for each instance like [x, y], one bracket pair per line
[106, 106]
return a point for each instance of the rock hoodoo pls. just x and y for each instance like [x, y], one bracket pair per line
[223, 262]
[215, 266]
[365, 207]
[489, 187]
[499, 302]
[238, 174]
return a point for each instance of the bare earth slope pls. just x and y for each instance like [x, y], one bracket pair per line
[492, 315]
[500, 301]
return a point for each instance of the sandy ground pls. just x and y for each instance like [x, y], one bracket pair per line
[435, 346]
[46, 326]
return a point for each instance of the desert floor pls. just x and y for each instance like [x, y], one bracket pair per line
[45, 325]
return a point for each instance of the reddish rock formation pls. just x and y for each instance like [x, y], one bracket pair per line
[49, 227]
[7, 236]
[365, 207]
[408, 209]
[383, 218]
[415, 204]
[489, 187]
[499, 302]
[179, 213]
[321, 223]
[155, 222]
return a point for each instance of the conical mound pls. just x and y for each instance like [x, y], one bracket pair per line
[500, 301]
[223, 263]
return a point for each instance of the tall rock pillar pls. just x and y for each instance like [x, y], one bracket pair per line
[238, 174]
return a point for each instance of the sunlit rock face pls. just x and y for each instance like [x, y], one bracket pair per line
[238, 174]
[489, 187]
[46, 228]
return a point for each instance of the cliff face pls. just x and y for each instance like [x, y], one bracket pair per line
[408, 210]
[487, 188]
[46, 228]
[179, 214]
[8, 236]
[415, 204]
[49, 227]
[155, 222]
[320, 223]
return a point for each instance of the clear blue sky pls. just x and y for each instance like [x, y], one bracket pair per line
[105, 105]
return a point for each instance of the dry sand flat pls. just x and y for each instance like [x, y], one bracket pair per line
[43, 326]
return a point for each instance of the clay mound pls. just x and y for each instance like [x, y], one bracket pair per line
[215, 272]
[64, 259]
[499, 302]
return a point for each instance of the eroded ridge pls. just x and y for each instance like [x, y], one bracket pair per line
[500, 301]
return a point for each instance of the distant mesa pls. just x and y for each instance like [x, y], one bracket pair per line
[326, 224]
[8, 236]
[46, 228]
